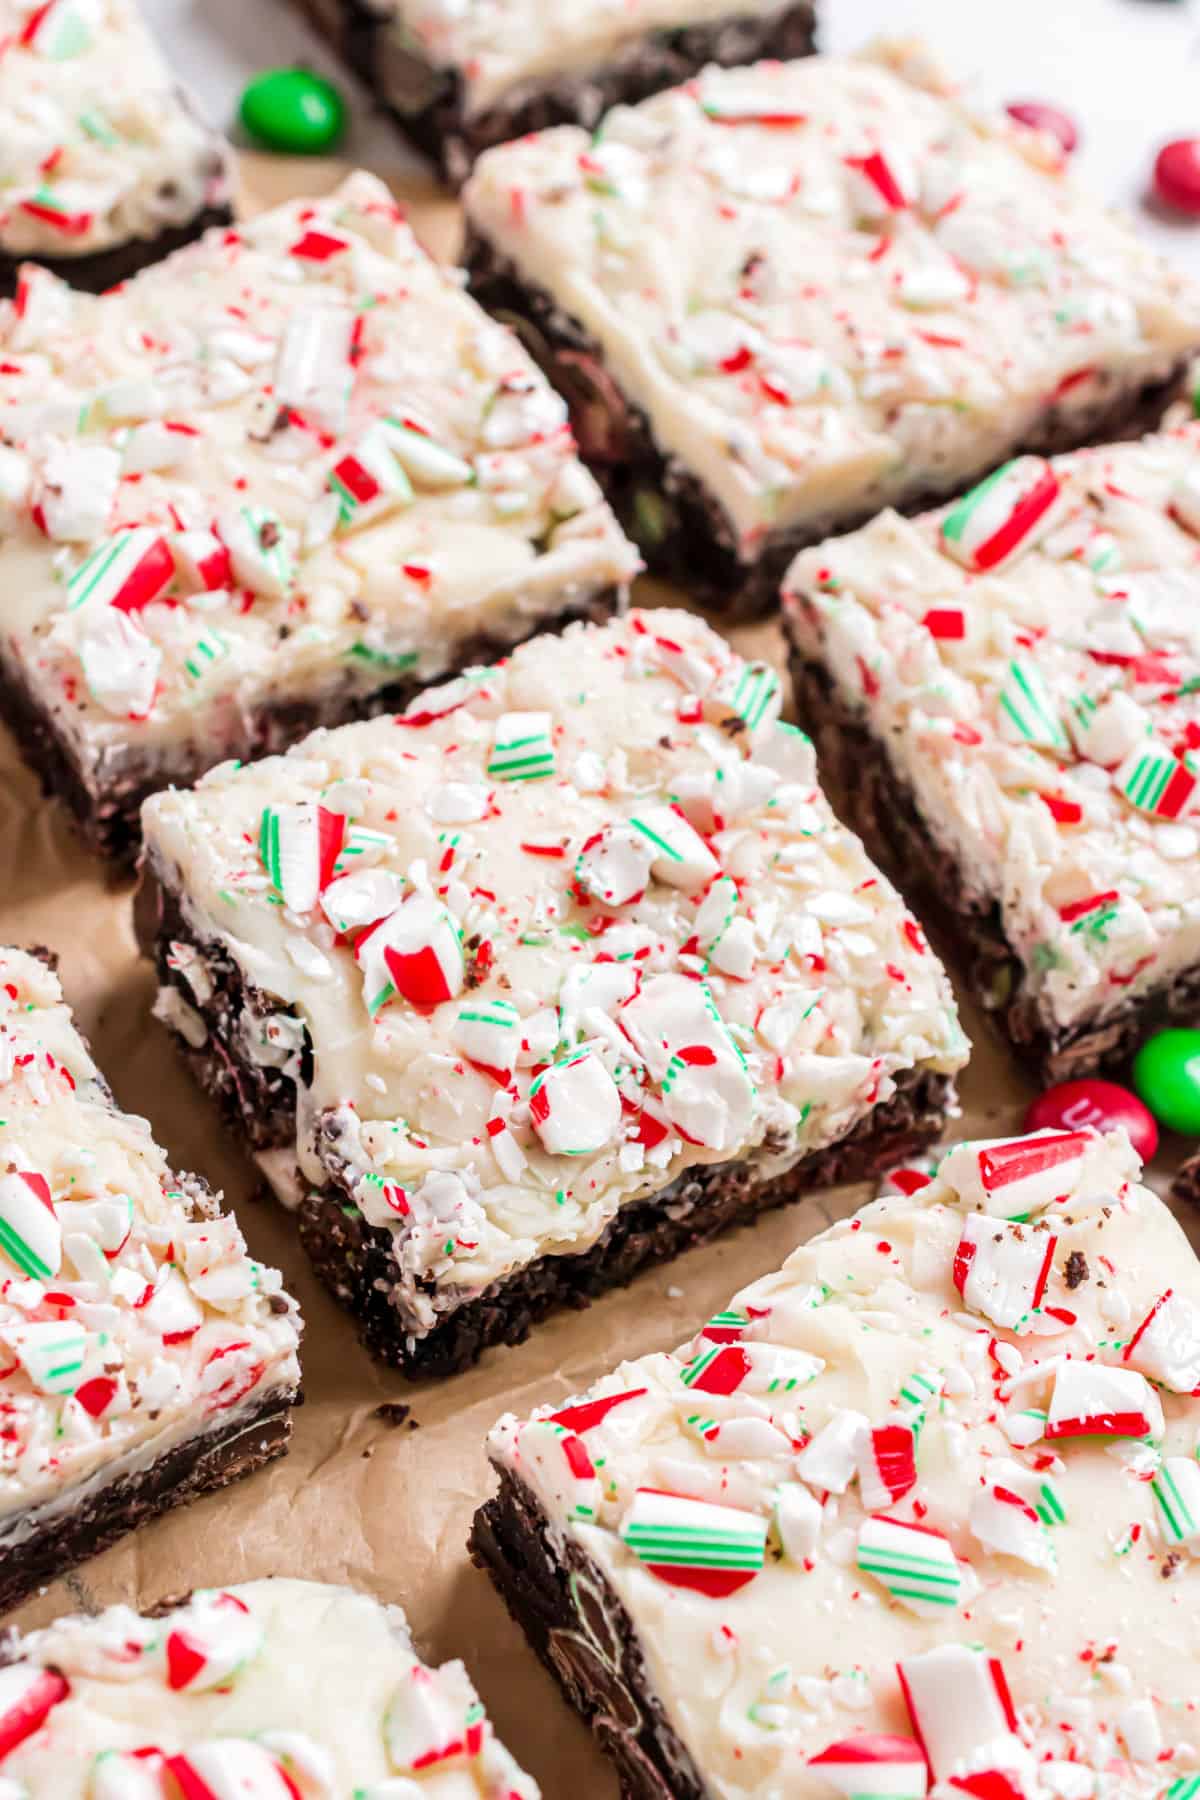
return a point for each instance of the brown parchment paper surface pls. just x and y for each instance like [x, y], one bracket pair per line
[359, 1499]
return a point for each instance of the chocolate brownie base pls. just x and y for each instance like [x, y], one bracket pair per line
[199, 1465]
[355, 1259]
[429, 104]
[679, 526]
[104, 269]
[858, 775]
[585, 1637]
[107, 807]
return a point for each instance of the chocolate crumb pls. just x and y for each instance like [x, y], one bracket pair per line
[268, 534]
[1076, 1271]
[278, 1303]
[392, 1412]
[1170, 1565]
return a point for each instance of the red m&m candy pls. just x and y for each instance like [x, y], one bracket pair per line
[1103, 1105]
[1177, 175]
[1041, 117]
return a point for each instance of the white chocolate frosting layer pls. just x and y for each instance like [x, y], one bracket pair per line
[131, 1314]
[496, 46]
[572, 925]
[99, 145]
[1030, 659]
[291, 460]
[828, 284]
[924, 1505]
[274, 1690]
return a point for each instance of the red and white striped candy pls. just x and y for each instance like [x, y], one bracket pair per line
[679, 857]
[960, 1708]
[172, 1312]
[1005, 1522]
[887, 1466]
[1001, 1270]
[231, 1769]
[706, 1091]
[27, 1697]
[1166, 1345]
[883, 182]
[1012, 1177]
[428, 1723]
[203, 560]
[614, 865]
[299, 846]
[874, 1765]
[557, 1466]
[1092, 1400]
[131, 569]
[313, 370]
[575, 1106]
[368, 481]
[211, 1639]
[30, 1233]
[755, 1368]
[1003, 515]
[416, 952]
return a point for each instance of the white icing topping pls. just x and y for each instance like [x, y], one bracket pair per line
[1043, 704]
[967, 1492]
[269, 1690]
[293, 460]
[556, 1019]
[829, 285]
[131, 1316]
[100, 145]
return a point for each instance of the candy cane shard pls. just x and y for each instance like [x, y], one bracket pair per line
[428, 1727]
[220, 1637]
[1005, 515]
[313, 370]
[352, 901]
[523, 747]
[1091, 1399]
[430, 463]
[1176, 1488]
[874, 1765]
[691, 1543]
[796, 1516]
[202, 560]
[130, 570]
[916, 1565]
[51, 1352]
[120, 663]
[489, 1034]
[127, 1775]
[416, 952]
[1001, 1270]
[887, 1466]
[299, 846]
[1005, 1522]
[756, 1368]
[961, 1710]
[369, 481]
[557, 1465]
[30, 1232]
[575, 1106]
[707, 1093]
[231, 1769]
[679, 856]
[884, 181]
[1155, 782]
[1166, 1345]
[258, 550]
[1013, 1177]
[27, 1697]
[1028, 711]
[830, 1460]
[613, 865]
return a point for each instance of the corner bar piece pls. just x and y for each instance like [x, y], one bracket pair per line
[781, 298]
[283, 479]
[106, 166]
[1006, 695]
[145, 1358]
[459, 79]
[274, 1690]
[916, 1514]
[555, 974]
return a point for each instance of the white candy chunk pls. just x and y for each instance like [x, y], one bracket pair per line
[353, 901]
[489, 1032]
[961, 1709]
[77, 489]
[232, 1769]
[1013, 1177]
[679, 856]
[830, 1461]
[313, 371]
[614, 864]
[118, 1775]
[120, 663]
[258, 550]
[173, 1313]
[51, 1352]
[707, 1092]
[1004, 1522]
[1176, 1487]
[1001, 1270]
[797, 1515]
[1091, 1399]
[575, 1106]
[432, 1720]
[556, 1464]
[1107, 733]
[1166, 1345]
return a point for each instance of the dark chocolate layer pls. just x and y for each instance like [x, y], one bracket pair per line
[429, 104]
[355, 1260]
[567, 1609]
[679, 526]
[102, 269]
[858, 775]
[201, 1464]
[107, 805]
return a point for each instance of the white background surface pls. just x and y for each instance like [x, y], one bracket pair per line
[1127, 70]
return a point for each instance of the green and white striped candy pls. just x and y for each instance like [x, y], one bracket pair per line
[1176, 1487]
[428, 462]
[753, 691]
[1186, 1787]
[489, 1033]
[1156, 782]
[299, 846]
[523, 747]
[51, 1352]
[258, 550]
[1027, 708]
[916, 1566]
[716, 913]
[359, 846]
[675, 1531]
[59, 31]
[30, 1232]
[209, 648]
[919, 1391]
[681, 858]
[369, 480]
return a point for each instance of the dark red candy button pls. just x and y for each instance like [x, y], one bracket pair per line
[1041, 117]
[1177, 175]
[1103, 1105]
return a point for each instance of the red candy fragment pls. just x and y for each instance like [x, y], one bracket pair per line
[1041, 117]
[1177, 175]
[1100, 1105]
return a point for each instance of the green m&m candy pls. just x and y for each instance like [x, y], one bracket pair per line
[1166, 1073]
[293, 110]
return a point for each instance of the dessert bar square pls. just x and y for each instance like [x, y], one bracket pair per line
[918, 1513]
[781, 298]
[458, 79]
[1006, 697]
[558, 972]
[105, 165]
[214, 1697]
[285, 478]
[145, 1357]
